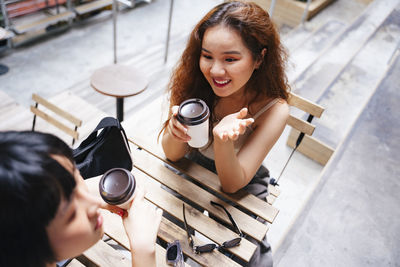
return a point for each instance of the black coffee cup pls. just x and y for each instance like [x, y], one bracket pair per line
[117, 187]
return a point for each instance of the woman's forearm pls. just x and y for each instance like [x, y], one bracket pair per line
[143, 258]
[174, 149]
[229, 169]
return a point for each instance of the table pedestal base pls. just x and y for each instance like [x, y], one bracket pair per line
[3, 69]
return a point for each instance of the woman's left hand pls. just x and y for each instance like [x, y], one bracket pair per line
[232, 125]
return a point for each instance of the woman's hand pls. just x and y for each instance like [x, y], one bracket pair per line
[141, 224]
[175, 138]
[231, 126]
[113, 209]
[175, 128]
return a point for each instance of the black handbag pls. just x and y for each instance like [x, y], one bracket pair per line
[99, 153]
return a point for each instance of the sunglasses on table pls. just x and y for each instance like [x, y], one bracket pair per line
[174, 254]
[210, 247]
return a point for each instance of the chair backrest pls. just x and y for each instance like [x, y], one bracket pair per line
[307, 106]
[303, 129]
[44, 114]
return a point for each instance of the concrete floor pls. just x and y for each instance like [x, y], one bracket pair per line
[352, 217]
[35, 67]
[89, 45]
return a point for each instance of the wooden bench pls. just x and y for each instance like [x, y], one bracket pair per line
[290, 12]
[92, 6]
[43, 23]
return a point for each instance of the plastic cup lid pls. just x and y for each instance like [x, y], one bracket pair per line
[116, 186]
[193, 111]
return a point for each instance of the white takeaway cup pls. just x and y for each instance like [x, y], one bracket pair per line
[194, 113]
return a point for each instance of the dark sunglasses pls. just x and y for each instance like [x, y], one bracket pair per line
[174, 254]
[210, 247]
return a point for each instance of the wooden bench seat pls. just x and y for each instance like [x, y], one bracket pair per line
[92, 6]
[290, 12]
[43, 23]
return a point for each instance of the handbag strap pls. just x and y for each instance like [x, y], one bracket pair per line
[104, 123]
[113, 122]
[108, 122]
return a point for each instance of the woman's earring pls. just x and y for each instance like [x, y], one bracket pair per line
[261, 59]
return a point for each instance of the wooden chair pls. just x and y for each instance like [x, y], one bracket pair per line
[300, 136]
[44, 114]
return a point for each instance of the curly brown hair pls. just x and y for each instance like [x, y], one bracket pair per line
[257, 31]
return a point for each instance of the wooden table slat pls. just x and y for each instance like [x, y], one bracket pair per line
[211, 181]
[156, 169]
[197, 220]
[157, 151]
[168, 232]
[102, 254]
[114, 228]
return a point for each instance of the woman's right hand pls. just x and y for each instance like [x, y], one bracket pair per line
[175, 128]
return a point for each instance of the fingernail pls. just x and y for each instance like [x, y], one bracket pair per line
[121, 213]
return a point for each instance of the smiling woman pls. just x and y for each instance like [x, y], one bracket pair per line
[234, 62]
[47, 212]
[228, 65]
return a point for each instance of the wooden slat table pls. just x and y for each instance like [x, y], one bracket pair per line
[198, 186]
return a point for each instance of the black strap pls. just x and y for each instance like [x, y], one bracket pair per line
[107, 122]
[274, 181]
[104, 123]
[112, 122]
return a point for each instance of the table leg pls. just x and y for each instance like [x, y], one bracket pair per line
[120, 109]
[3, 69]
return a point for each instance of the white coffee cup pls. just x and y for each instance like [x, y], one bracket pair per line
[194, 113]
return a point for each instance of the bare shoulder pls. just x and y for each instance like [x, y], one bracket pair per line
[281, 108]
[276, 114]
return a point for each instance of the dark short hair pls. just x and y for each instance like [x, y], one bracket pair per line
[32, 184]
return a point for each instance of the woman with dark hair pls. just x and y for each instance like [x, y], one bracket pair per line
[234, 61]
[47, 213]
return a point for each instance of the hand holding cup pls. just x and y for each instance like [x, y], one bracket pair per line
[142, 223]
[177, 129]
[194, 114]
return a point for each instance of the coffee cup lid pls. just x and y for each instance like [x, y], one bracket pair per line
[116, 186]
[193, 111]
